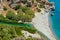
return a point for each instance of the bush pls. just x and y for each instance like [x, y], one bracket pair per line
[32, 1]
[30, 12]
[26, 18]
[4, 8]
[8, 32]
[10, 15]
[41, 6]
[24, 14]
[25, 9]
[38, 10]
[5, 20]
[17, 7]
[18, 31]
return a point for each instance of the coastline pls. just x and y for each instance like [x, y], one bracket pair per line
[41, 23]
[50, 21]
[51, 27]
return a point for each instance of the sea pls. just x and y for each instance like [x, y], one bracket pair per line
[55, 19]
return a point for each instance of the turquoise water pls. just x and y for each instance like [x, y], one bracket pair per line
[56, 19]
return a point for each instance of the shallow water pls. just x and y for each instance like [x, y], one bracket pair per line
[55, 20]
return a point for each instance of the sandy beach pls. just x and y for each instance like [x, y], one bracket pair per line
[41, 23]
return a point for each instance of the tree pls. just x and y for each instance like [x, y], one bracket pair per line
[32, 1]
[25, 14]
[1, 16]
[41, 5]
[4, 8]
[38, 10]
[10, 15]
[26, 18]
[19, 14]
[30, 12]
[20, 11]
[17, 7]
[25, 8]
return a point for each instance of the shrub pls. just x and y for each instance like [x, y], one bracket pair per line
[10, 15]
[30, 12]
[38, 10]
[4, 8]
[32, 1]
[24, 14]
[17, 7]
[41, 6]
[25, 9]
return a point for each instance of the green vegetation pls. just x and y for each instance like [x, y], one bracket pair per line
[17, 7]
[11, 28]
[28, 11]
[24, 8]
[38, 10]
[32, 1]
[41, 6]
[24, 14]
[8, 32]
[4, 8]
[10, 15]
[24, 26]
[5, 20]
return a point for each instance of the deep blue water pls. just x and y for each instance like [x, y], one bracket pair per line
[56, 19]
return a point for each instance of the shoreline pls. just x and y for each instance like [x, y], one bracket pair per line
[50, 22]
[41, 23]
[51, 27]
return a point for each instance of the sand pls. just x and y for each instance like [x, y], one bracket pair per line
[41, 23]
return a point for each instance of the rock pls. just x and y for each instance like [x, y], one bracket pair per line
[52, 14]
[52, 8]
